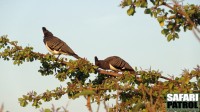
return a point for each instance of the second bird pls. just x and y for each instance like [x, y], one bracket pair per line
[114, 63]
[56, 45]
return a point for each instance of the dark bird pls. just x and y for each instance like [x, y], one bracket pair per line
[114, 63]
[56, 45]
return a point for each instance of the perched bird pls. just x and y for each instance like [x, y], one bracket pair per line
[57, 46]
[114, 63]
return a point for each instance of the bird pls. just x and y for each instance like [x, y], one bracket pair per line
[56, 46]
[114, 63]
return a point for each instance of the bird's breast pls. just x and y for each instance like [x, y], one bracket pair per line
[113, 68]
[52, 51]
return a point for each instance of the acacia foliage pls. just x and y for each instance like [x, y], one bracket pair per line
[171, 16]
[143, 91]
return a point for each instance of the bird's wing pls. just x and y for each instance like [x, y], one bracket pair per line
[119, 63]
[128, 67]
[54, 43]
[59, 45]
[114, 61]
[66, 49]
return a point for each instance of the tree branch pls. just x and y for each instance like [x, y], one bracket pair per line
[100, 71]
[109, 73]
[2, 108]
[89, 104]
[195, 34]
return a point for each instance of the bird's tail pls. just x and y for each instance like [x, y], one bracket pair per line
[76, 56]
[133, 72]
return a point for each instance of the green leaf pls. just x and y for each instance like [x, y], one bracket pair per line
[161, 1]
[160, 19]
[22, 102]
[147, 11]
[131, 11]
[129, 2]
[176, 35]
[155, 14]
[85, 92]
[191, 11]
[143, 4]
[170, 85]
[170, 26]
[139, 106]
[47, 110]
[165, 32]
[169, 37]
[189, 27]
[152, 1]
[137, 4]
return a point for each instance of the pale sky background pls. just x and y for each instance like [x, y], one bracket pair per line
[91, 28]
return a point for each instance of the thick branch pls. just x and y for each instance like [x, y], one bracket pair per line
[109, 73]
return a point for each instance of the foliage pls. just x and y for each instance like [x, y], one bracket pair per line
[143, 91]
[170, 17]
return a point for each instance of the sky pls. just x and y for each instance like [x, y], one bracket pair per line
[91, 28]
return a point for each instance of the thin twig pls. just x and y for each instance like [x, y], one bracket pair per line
[2, 108]
[98, 107]
[89, 104]
[195, 34]
[105, 106]
[117, 96]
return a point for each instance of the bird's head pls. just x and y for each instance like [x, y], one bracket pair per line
[46, 32]
[97, 63]
[44, 29]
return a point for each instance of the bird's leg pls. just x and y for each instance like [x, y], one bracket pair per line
[56, 60]
[58, 57]
[55, 70]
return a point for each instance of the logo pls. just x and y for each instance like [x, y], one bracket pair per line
[183, 102]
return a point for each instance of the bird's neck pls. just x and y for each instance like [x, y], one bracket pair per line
[47, 38]
[48, 34]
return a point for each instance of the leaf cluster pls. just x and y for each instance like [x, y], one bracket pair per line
[172, 18]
